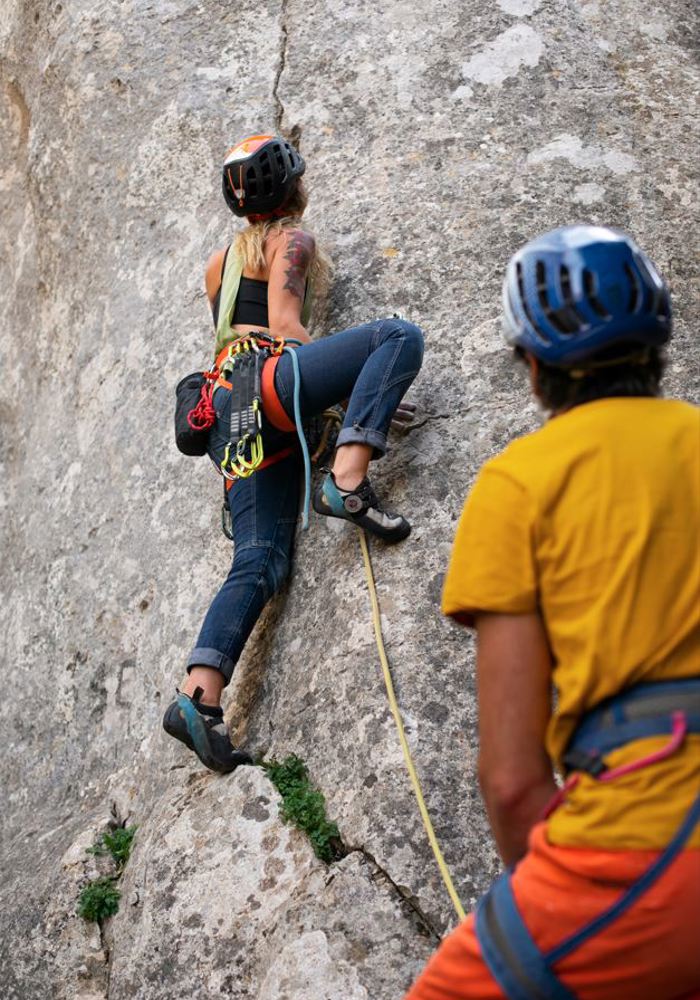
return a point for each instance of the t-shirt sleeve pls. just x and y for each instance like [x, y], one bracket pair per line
[492, 566]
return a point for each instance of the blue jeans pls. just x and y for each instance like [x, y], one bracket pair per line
[372, 366]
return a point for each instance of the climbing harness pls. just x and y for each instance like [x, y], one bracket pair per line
[517, 964]
[246, 368]
[396, 712]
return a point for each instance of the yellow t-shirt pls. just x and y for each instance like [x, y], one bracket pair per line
[594, 521]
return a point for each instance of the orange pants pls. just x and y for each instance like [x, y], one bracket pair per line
[651, 952]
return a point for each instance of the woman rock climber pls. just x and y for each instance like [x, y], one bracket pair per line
[264, 282]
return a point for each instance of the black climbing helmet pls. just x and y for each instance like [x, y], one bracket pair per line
[259, 174]
[578, 290]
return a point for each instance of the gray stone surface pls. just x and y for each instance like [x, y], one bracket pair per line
[439, 137]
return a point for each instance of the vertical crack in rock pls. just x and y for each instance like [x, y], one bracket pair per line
[281, 64]
[108, 959]
[403, 894]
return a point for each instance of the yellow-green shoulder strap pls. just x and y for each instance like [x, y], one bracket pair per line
[227, 300]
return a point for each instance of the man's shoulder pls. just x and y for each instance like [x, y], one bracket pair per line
[520, 453]
[606, 425]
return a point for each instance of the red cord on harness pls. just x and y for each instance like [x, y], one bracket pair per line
[202, 417]
[679, 728]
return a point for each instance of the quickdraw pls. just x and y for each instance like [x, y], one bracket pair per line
[240, 369]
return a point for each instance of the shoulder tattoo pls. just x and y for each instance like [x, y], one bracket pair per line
[299, 254]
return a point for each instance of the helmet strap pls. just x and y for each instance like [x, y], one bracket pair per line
[635, 358]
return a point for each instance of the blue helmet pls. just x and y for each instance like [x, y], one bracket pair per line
[576, 290]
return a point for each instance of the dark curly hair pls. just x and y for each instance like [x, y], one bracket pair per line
[627, 370]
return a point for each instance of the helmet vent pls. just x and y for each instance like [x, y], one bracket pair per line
[635, 299]
[566, 319]
[589, 287]
[663, 307]
[521, 293]
[280, 160]
[251, 182]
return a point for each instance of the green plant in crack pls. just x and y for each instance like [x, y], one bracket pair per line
[99, 899]
[117, 843]
[305, 806]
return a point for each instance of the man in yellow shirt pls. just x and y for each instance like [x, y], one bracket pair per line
[577, 562]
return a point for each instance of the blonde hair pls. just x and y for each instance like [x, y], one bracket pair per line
[249, 245]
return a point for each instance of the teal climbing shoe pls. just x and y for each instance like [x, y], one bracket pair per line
[360, 506]
[202, 729]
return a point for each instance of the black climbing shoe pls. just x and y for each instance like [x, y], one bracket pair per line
[360, 506]
[206, 734]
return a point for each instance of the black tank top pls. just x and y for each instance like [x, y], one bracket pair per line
[251, 301]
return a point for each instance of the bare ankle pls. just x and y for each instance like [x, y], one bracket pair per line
[350, 466]
[208, 681]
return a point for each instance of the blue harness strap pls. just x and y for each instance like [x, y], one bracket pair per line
[513, 958]
[644, 710]
[516, 963]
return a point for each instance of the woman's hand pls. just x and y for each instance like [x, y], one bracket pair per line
[404, 415]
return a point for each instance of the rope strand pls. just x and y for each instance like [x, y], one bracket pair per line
[425, 815]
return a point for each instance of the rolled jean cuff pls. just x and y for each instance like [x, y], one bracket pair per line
[206, 657]
[362, 435]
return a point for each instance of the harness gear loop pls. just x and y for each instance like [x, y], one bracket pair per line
[243, 362]
[396, 712]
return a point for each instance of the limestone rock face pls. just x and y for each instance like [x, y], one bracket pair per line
[438, 137]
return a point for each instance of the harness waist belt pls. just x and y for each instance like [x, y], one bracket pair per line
[272, 406]
[643, 710]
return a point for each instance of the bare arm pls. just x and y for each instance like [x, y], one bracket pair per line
[293, 254]
[514, 680]
[212, 274]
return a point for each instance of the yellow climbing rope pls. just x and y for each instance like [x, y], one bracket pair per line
[425, 815]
